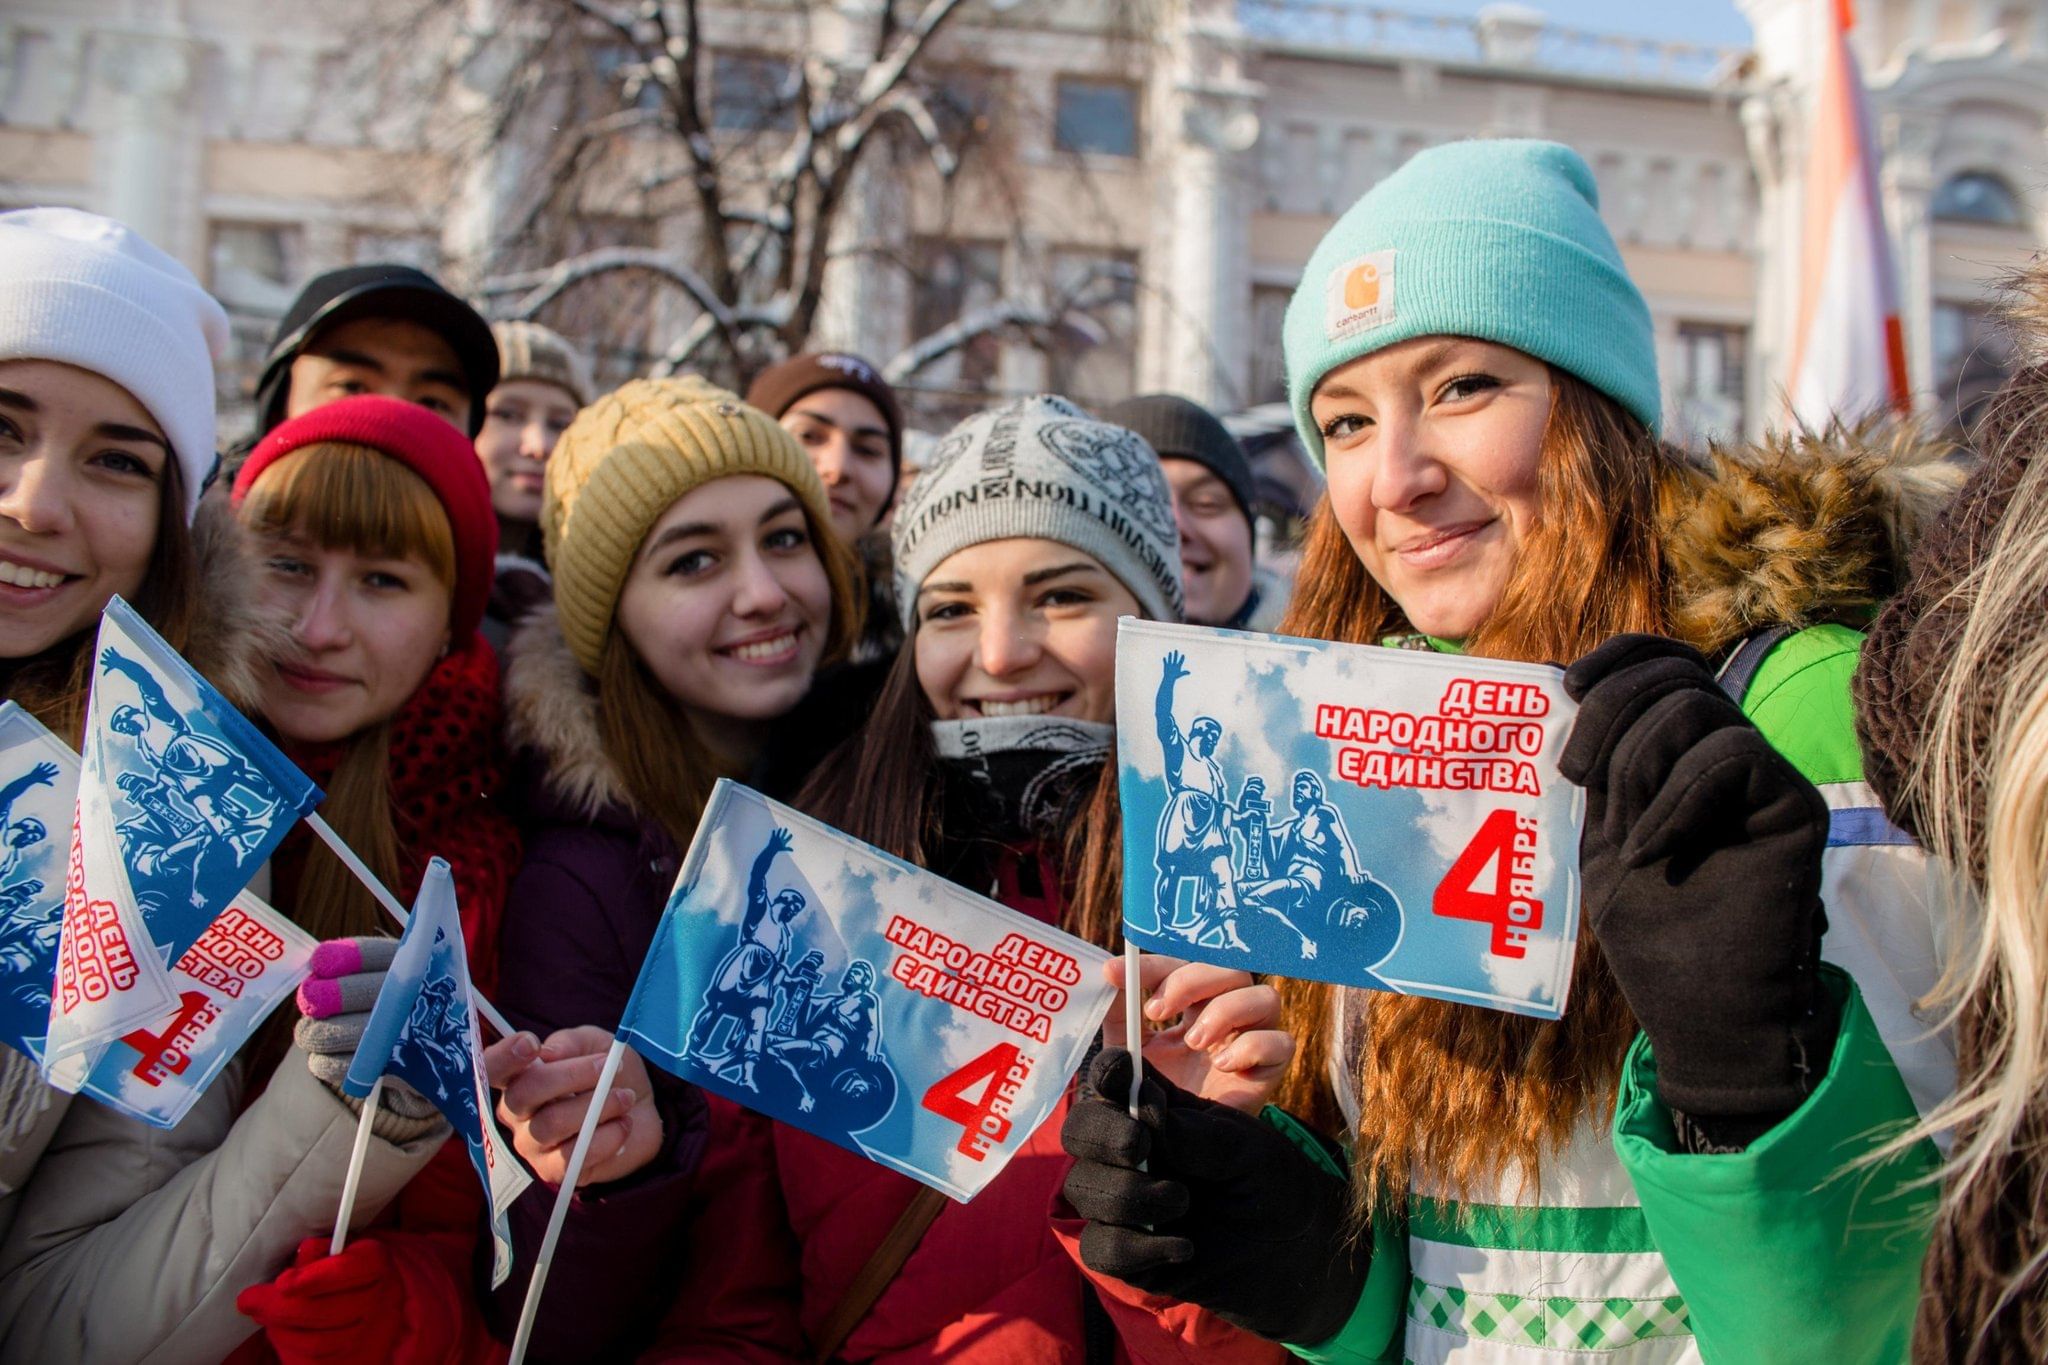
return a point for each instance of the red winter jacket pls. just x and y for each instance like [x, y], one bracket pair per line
[447, 762]
[783, 1222]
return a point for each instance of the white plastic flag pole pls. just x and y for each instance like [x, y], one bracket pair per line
[529, 1310]
[355, 1168]
[1134, 1021]
[390, 902]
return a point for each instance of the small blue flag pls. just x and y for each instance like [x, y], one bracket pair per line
[819, 981]
[180, 800]
[423, 1031]
[38, 786]
[1385, 818]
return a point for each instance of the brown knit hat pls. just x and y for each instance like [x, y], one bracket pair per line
[527, 350]
[776, 390]
[624, 461]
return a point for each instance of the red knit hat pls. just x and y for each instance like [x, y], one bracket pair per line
[428, 446]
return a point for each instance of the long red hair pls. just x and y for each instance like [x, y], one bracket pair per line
[1465, 1094]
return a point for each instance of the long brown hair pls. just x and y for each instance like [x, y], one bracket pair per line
[53, 686]
[886, 785]
[352, 497]
[1461, 1093]
[668, 771]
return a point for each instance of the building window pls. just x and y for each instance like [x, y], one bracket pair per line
[1094, 354]
[963, 101]
[1973, 358]
[1269, 359]
[1710, 383]
[1978, 197]
[1100, 117]
[252, 266]
[751, 93]
[954, 281]
[253, 269]
[621, 71]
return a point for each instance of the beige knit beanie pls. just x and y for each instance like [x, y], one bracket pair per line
[624, 461]
[527, 350]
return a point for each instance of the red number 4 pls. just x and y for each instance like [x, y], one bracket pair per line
[1512, 916]
[948, 1099]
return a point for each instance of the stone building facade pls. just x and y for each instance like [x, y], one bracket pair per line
[1173, 161]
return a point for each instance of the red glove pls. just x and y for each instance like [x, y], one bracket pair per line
[375, 1301]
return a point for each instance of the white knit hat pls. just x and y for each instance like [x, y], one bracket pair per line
[1041, 468]
[86, 291]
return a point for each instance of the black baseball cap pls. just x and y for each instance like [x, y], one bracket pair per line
[378, 291]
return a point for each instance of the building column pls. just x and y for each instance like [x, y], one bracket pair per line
[147, 157]
[1206, 250]
[1908, 186]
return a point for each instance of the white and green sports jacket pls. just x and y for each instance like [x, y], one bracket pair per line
[1637, 1255]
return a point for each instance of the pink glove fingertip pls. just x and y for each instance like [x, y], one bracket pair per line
[318, 998]
[337, 957]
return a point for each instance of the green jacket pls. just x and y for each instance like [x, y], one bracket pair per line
[1644, 1255]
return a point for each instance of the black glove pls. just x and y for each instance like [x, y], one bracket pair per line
[1229, 1214]
[1701, 864]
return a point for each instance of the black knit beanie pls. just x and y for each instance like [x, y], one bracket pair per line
[1183, 430]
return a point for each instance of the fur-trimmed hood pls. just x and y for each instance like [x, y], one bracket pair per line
[233, 637]
[551, 718]
[1799, 529]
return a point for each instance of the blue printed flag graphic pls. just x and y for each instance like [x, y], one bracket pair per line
[1374, 817]
[181, 799]
[820, 981]
[38, 792]
[423, 1031]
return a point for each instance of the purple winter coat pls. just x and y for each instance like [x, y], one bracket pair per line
[578, 920]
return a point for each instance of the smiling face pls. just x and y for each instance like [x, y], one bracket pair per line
[1215, 542]
[389, 356]
[1433, 449]
[365, 630]
[523, 419]
[848, 442]
[1020, 628]
[727, 603]
[82, 469]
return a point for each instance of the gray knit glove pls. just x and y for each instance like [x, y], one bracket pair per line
[334, 1009]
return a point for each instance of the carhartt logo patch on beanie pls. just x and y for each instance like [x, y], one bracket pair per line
[1361, 295]
[1496, 239]
[1042, 469]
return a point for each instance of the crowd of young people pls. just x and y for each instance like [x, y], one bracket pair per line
[514, 621]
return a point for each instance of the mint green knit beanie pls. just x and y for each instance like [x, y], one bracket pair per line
[1496, 239]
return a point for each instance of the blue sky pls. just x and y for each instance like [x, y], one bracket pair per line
[1702, 21]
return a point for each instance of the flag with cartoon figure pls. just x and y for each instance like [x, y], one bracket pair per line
[249, 960]
[423, 1031]
[38, 794]
[1375, 817]
[824, 983]
[180, 800]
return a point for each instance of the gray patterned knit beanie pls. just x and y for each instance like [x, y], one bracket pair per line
[1040, 468]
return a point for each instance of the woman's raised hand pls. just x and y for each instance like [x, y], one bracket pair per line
[1222, 1038]
[546, 1092]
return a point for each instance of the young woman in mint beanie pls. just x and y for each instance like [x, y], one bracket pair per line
[1470, 362]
